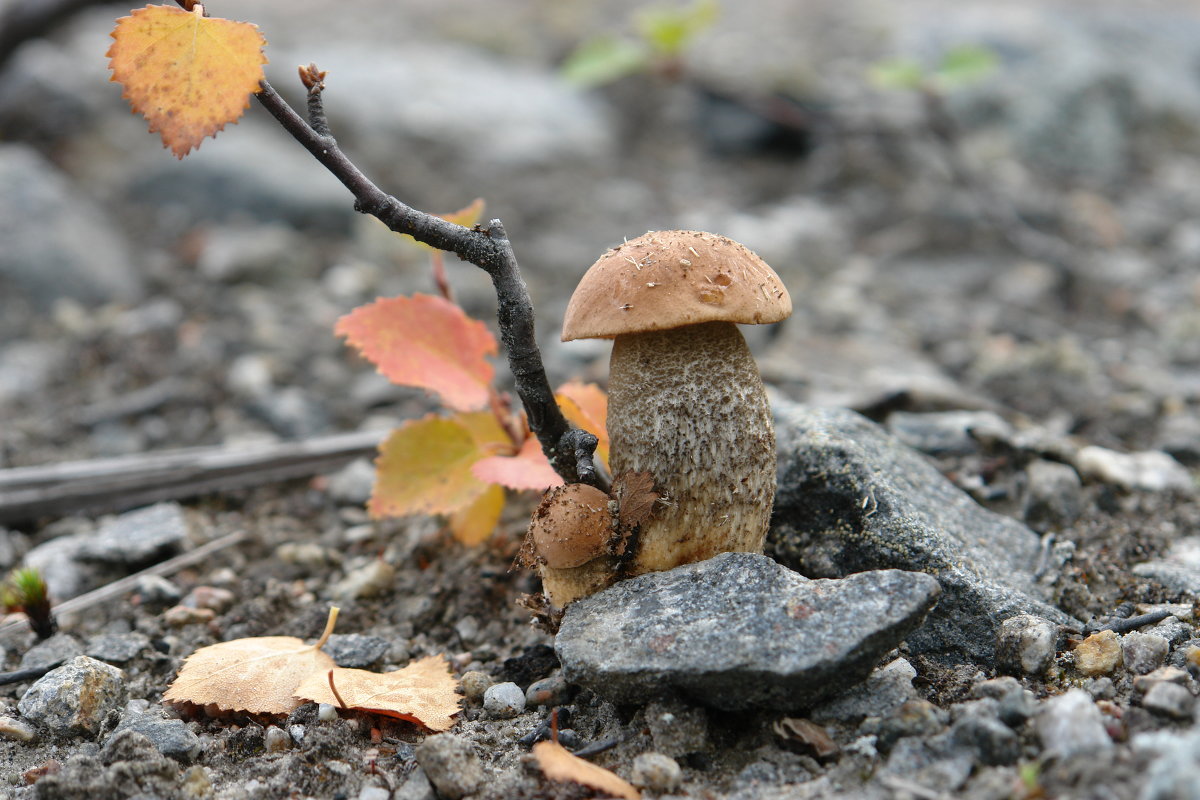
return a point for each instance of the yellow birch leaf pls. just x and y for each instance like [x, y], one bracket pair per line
[257, 675]
[424, 466]
[188, 75]
[559, 765]
[586, 406]
[475, 523]
[423, 692]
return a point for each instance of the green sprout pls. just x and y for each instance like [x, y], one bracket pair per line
[959, 66]
[25, 590]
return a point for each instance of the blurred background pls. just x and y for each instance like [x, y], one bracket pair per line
[975, 206]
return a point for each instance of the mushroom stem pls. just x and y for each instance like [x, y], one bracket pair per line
[688, 406]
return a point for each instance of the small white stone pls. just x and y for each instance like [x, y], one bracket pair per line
[326, 712]
[504, 700]
[656, 772]
[277, 740]
[13, 728]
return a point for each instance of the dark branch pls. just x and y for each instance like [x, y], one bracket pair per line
[487, 248]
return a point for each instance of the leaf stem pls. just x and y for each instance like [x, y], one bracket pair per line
[333, 689]
[329, 623]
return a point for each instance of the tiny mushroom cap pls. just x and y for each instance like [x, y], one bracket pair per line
[571, 526]
[667, 279]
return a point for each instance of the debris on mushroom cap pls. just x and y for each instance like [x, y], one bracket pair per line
[572, 526]
[668, 279]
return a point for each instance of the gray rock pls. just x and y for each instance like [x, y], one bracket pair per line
[57, 244]
[552, 691]
[356, 650]
[1151, 470]
[656, 772]
[1169, 700]
[1179, 570]
[1179, 435]
[416, 787]
[474, 683]
[1025, 645]
[504, 700]
[935, 763]
[64, 574]
[59, 647]
[852, 498]
[1070, 725]
[262, 254]
[451, 765]
[138, 538]
[170, 737]
[978, 727]
[128, 761]
[1143, 652]
[884, 691]
[352, 484]
[1055, 495]
[947, 432]
[117, 648]
[738, 631]
[919, 718]
[1173, 772]
[76, 697]
[28, 367]
[156, 592]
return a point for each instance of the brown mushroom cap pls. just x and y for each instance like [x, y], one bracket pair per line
[571, 526]
[668, 279]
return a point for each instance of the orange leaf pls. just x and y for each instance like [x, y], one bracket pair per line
[428, 342]
[423, 692]
[586, 405]
[559, 765]
[475, 523]
[468, 217]
[188, 75]
[528, 469]
[258, 675]
[424, 466]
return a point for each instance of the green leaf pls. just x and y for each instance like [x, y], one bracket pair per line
[669, 31]
[604, 59]
[897, 73]
[965, 65]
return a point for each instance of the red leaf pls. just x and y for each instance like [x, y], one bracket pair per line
[528, 469]
[428, 342]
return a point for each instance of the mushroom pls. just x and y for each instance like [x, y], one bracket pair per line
[686, 402]
[570, 536]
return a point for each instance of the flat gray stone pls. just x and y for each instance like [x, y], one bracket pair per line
[738, 631]
[137, 538]
[170, 737]
[852, 498]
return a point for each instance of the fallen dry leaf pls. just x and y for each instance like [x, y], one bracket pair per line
[257, 675]
[423, 692]
[559, 765]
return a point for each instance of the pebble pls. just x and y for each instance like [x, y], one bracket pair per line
[374, 793]
[276, 740]
[649, 635]
[352, 484]
[308, 555]
[1070, 724]
[1054, 497]
[474, 684]
[1143, 683]
[214, 598]
[327, 712]
[980, 729]
[417, 787]
[552, 691]
[356, 651]
[75, 697]
[182, 616]
[171, 737]
[1151, 470]
[297, 732]
[59, 647]
[372, 579]
[1098, 654]
[1169, 700]
[138, 538]
[451, 765]
[1025, 645]
[504, 700]
[1102, 688]
[117, 648]
[947, 432]
[195, 782]
[16, 729]
[919, 718]
[156, 592]
[884, 690]
[1143, 652]
[656, 773]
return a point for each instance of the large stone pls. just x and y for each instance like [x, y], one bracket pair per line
[138, 538]
[738, 631]
[853, 498]
[75, 698]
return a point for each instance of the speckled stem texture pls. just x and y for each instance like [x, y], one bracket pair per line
[688, 406]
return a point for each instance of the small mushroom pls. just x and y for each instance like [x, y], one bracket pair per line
[570, 536]
[686, 402]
